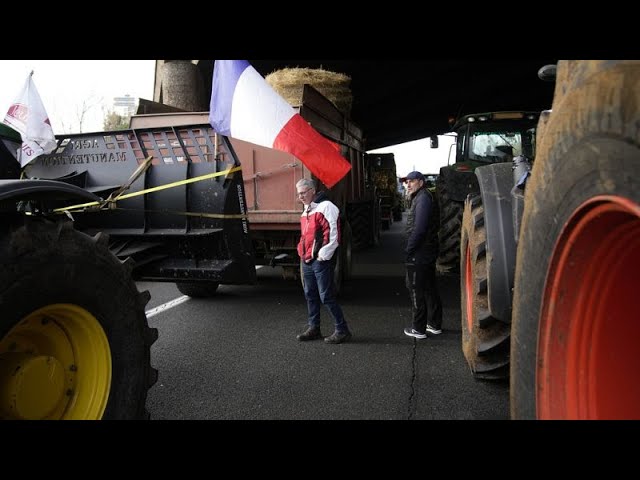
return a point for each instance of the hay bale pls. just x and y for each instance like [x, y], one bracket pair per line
[289, 82]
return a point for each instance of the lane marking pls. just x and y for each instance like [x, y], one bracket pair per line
[167, 306]
[174, 303]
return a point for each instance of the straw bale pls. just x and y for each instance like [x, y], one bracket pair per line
[289, 82]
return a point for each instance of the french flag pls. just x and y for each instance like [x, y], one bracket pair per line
[244, 106]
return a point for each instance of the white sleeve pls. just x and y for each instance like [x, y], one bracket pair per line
[331, 214]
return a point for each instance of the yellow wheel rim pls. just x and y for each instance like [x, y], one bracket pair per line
[55, 364]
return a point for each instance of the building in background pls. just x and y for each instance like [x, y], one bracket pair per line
[125, 106]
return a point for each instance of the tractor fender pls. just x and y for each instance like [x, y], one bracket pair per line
[43, 189]
[458, 183]
[496, 183]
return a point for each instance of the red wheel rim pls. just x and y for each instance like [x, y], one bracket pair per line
[588, 350]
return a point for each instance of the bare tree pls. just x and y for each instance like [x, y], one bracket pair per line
[60, 126]
[83, 108]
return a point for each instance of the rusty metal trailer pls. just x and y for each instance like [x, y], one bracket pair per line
[269, 184]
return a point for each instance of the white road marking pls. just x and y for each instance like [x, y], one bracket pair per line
[173, 303]
[167, 306]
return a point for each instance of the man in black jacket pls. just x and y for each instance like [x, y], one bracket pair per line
[421, 252]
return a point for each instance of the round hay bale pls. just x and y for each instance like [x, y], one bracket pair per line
[289, 82]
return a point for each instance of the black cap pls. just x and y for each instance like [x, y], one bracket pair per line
[413, 176]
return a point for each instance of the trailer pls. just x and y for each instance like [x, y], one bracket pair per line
[385, 179]
[269, 176]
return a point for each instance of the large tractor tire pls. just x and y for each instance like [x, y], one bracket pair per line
[338, 273]
[360, 220]
[346, 253]
[485, 339]
[575, 332]
[364, 220]
[198, 289]
[397, 212]
[449, 233]
[376, 222]
[74, 338]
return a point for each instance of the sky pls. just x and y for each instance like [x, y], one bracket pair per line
[70, 87]
[418, 155]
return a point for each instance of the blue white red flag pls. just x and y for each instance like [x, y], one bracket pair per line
[244, 106]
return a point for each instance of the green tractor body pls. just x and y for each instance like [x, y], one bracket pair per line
[482, 139]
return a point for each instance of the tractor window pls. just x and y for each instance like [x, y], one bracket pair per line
[494, 146]
[491, 143]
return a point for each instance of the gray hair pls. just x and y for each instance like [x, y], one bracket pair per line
[306, 183]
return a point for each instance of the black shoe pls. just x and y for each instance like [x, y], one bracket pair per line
[338, 337]
[433, 331]
[311, 333]
[414, 333]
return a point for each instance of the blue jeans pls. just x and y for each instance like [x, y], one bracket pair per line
[319, 288]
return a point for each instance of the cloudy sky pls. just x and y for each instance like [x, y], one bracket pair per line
[418, 155]
[69, 87]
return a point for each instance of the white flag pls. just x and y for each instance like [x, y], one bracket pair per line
[28, 116]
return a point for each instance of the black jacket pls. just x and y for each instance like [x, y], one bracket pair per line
[423, 222]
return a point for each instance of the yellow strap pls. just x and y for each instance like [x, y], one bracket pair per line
[177, 212]
[153, 189]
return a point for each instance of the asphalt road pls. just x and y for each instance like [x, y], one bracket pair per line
[236, 356]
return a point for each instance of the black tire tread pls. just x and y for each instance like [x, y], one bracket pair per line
[449, 233]
[67, 266]
[198, 289]
[486, 348]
